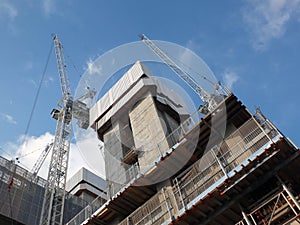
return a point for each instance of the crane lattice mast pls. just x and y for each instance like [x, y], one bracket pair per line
[38, 164]
[54, 198]
[210, 100]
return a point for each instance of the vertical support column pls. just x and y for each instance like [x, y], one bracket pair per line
[219, 147]
[259, 113]
[128, 220]
[220, 164]
[262, 129]
[287, 200]
[167, 204]
[180, 195]
[248, 222]
[251, 216]
[289, 193]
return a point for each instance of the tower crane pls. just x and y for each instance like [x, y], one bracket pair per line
[38, 164]
[210, 100]
[54, 197]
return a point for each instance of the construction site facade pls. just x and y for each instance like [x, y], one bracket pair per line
[166, 166]
[22, 194]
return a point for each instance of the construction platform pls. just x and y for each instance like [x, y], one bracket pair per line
[248, 176]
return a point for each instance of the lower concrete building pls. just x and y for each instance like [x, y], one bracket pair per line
[87, 186]
[249, 175]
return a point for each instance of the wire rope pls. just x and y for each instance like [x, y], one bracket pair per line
[37, 95]
[29, 153]
[73, 64]
[192, 70]
[76, 69]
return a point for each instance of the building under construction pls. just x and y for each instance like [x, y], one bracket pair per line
[164, 166]
[224, 166]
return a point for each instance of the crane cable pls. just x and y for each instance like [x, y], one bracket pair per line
[76, 69]
[192, 70]
[35, 102]
[37, 95]
[73, 64]
[29, 153]
[36, 99]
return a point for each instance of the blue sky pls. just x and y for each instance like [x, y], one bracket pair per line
[252, 46]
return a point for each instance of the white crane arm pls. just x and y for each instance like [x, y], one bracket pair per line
[210, 100]
[38, 164]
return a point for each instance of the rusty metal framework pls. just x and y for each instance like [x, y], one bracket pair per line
[281, 208]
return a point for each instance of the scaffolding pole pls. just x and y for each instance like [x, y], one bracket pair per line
[289, 192]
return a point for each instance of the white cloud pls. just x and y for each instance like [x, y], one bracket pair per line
[88, 147]
[29, 151]
[8, 10]
[92, 68]
[230, 78]
[8, 118]
[268, 19]
[29, 148]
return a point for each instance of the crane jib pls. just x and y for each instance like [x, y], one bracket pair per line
[210, 100]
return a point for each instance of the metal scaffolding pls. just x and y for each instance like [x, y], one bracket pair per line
[21, 198]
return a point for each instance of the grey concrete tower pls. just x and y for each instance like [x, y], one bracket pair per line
[134, 119]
